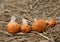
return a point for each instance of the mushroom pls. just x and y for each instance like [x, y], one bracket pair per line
[51, 22]
[12, 27]
[25, 28]
[39, 25]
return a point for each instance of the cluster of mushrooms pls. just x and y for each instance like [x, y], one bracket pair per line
[39, 25]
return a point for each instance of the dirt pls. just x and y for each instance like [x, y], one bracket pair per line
[29, 9]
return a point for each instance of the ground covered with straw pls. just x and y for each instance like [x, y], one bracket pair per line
[30, 9]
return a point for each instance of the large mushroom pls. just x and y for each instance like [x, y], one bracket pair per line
[12, 27]
[39, 25]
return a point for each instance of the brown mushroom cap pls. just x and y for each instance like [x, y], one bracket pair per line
[39, 25]
[12, 27]
[52, 22]
[25, 28]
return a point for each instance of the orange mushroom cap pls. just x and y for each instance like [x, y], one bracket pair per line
[39, 25]
[25, 28]
[12, 27]
[52, 22]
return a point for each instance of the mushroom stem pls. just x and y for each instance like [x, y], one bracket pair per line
[35, 19]
[47, 21]
[13, 18]
[24, 21]
[44, 15]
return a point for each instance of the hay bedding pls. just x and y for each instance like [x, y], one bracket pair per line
[29, 9]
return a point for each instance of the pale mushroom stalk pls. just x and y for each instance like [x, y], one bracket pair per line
[35, 19]
[24, 21]
[13, 18]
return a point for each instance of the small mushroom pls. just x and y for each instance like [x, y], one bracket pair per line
[12, 27]
[39, 25]
[52, 22]
[25, 28]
